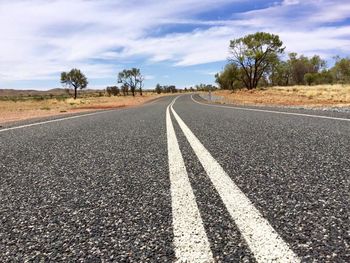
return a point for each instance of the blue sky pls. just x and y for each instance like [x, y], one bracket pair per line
[180, 42]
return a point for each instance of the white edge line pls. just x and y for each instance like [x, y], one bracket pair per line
[190, 240]
[271, 111]
[55, 120]
[262, 239]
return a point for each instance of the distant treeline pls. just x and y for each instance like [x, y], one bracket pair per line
[257, 60]
[172, 88]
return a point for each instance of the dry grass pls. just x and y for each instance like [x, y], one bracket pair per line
[309, 96]
[21, 110]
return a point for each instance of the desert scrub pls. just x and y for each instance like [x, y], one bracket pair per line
[45, 108]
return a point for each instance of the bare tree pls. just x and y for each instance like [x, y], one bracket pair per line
[131, 78]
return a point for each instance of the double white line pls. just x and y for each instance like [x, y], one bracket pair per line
[190, 239]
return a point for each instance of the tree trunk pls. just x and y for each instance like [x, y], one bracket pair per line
[75, 93]
[141, 91]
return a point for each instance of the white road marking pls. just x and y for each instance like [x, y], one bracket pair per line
[55, 120]
[271, 111]
[190, 240]
[260, 236]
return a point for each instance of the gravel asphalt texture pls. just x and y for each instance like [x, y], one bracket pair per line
[296, 171]
[97, 189]
[89, 189]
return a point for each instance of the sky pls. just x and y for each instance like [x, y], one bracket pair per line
[173, 42]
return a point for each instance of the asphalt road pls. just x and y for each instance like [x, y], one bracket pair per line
[177, 180]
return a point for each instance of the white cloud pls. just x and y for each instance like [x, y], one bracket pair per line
[41, 38]
[290, 2]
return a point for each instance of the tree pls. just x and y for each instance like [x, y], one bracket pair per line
[341, 70]
[166, 89]
[325, 77]
[299, 68]
[205, 87]
[281, 74]
[74, 78]
[125, 89]
[158, 89]
[310, 78]
[114, 90]
[131, 78]
[172, 89]
[302, 65]
[255, 54]
[317, 64]
[230, 78]
[139, 81]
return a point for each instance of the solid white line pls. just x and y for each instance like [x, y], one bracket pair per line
[271, 111]
[55, 120]
[260, 236]
[190, 240]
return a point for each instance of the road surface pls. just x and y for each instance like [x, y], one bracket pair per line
[177, 180]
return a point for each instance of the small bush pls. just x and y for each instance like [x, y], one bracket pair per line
[38, 98]
[114, 90]
[45, 108]
[61, 98]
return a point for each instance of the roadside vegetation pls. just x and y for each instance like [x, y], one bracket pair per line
[259, 60]
[20, 107]
[319, 96]
[260, 72]
[75, 96]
